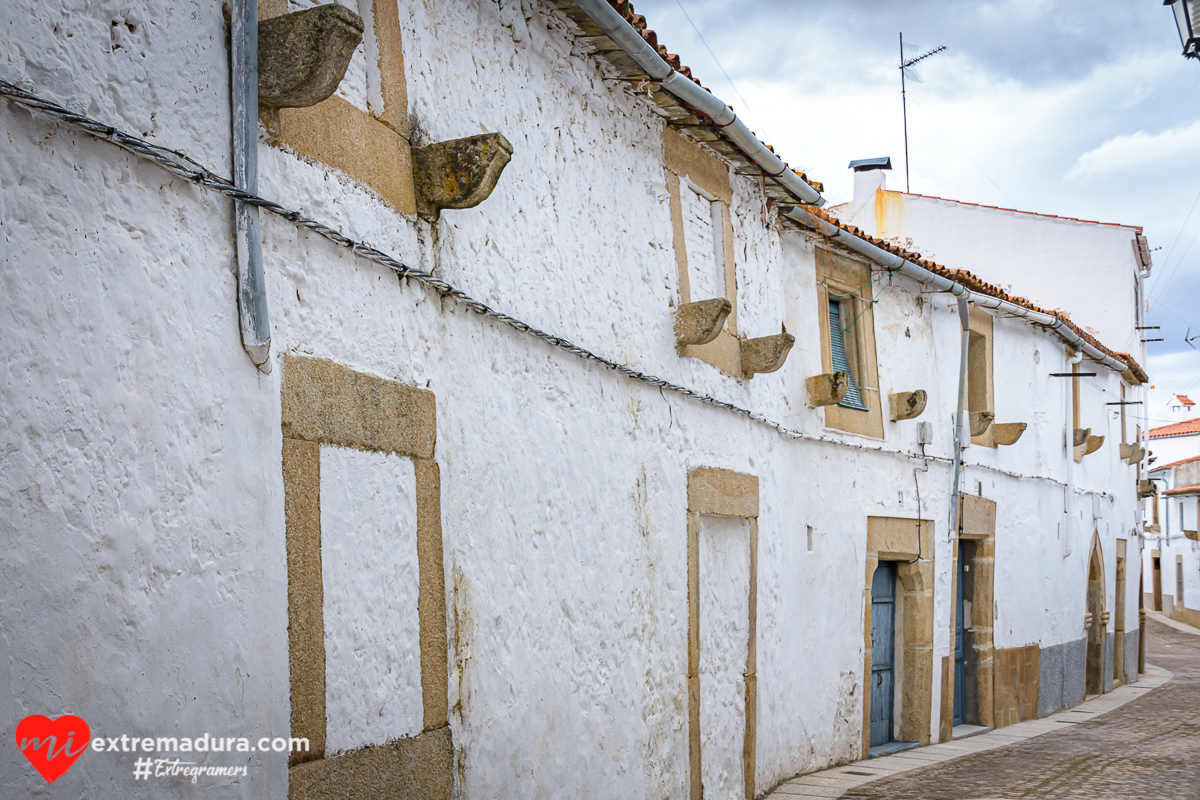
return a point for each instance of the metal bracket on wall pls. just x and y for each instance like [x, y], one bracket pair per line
[252, 294]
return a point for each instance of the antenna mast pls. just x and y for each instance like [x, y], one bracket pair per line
[907, 71]
[904, 105]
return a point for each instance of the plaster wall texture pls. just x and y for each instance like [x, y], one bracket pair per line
[371, 585]
[724, 544]
[142, 473]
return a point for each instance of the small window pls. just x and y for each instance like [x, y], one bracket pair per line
[842, 359]
[1178, 581]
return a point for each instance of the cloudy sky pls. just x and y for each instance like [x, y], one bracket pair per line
[1058, 106]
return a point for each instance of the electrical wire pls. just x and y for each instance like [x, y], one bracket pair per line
[183, 166]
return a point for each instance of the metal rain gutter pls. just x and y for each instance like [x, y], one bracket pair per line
[252, 293]
[687, 90]
[943, 284]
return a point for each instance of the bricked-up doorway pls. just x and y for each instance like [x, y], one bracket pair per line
[1094, 675]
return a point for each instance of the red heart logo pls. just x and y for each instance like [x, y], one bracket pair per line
[49, 744]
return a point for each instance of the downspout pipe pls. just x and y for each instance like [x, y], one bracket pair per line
[687, 90]
[251, 284]
[942, 284]
[962, 437]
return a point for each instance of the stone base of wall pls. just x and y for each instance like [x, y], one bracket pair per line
[1131, 655]
[1016, 682]
[1106, 683]
[420, 768]
[1188, 616]
[1061, 676]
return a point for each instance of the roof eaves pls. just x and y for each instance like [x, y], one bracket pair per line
[677, 114]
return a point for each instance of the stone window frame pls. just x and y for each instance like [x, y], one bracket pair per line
[325, 403]
[981, 392]
[725, 493]
[684, 159]
[841, 275]
[908, 543]
[373, 149]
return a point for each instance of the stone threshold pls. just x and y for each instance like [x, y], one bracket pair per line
[836, 781]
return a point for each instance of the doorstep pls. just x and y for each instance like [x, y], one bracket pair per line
[965, 731]
[891, 747]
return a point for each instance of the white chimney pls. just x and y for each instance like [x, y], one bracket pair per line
[869, 176]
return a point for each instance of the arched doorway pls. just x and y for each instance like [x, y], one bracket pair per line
[1094, 676]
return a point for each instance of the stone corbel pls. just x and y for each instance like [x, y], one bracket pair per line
[1092, 444]
[1132, 453]
[1008, 432]
[459, 173]
[302, 56]
[907, 405]
[765, 354]
[828, 389]
[1080, 436]
[1146, 488]
[980, 421]
[1087, 620]
[701, 322]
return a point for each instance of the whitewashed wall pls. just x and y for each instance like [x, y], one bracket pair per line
[1087, 269]
[142, 477]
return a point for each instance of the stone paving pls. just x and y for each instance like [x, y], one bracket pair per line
[1130, 743]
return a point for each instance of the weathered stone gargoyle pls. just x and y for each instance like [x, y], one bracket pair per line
[907, 405]
[980, 421]
[827, 389]
[1092, 444]
[1008, 432]
[458, 173]
[766, 353]
[303, 56]
[701, 322]
[1080, 436]
[1132, 453]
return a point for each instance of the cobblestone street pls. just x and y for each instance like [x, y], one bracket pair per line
[1149, 748]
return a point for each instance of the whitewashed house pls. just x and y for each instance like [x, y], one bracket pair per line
[540, 437]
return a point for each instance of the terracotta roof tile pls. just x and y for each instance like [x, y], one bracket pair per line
[1193, 489]
[1185, 428]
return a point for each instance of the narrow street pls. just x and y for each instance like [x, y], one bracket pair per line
[1147, 748]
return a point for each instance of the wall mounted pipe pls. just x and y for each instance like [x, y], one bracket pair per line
[943, 284]
[687, 90]
[962, 437]
[252, 294]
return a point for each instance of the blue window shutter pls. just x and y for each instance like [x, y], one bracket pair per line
[837, 349]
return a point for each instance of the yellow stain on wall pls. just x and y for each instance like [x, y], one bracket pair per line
[889, 214]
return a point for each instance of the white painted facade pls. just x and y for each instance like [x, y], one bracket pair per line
[145, 578]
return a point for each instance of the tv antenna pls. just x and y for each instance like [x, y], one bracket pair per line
[908, 59]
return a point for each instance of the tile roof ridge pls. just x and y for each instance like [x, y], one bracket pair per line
[1137, 228]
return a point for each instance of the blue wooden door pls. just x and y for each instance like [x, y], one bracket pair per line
[883, 652]
[960, 662]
